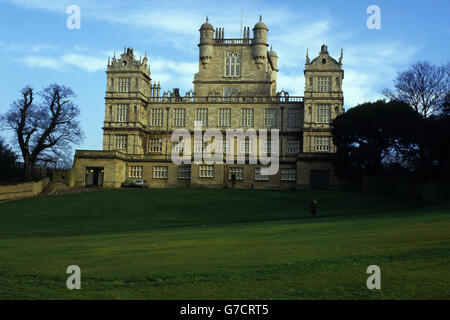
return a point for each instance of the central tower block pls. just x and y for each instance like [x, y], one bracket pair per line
[235, 68]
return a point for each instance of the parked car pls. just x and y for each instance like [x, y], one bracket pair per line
[127, 184]
[141, 184]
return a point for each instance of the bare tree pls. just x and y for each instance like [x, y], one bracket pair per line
[423, 86]
[8, 163]
[46, 130]
[445, 108]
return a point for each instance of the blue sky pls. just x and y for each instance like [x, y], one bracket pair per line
[36, 47]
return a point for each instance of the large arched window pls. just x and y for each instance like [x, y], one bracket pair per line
[232, 64]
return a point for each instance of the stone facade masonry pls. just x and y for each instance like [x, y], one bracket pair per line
[233, 74]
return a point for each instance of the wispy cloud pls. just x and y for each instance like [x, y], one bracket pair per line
[368, 65]
[291, 44]
[173, 74]
[43, 62]
[84, 62]
[170, 72]
[60, 6]
[62, 63]
[24, 47]
[294, 84]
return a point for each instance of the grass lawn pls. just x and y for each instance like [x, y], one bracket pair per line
[223, 244]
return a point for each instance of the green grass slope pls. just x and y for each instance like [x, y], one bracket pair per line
[223, 244]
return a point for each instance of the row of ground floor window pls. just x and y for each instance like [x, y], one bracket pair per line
[207, 171]
[111, 168]
[112, 174]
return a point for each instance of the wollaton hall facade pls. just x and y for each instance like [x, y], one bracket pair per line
[235, 88]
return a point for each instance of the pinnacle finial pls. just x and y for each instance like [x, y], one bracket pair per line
[206, 18]
[260, 18]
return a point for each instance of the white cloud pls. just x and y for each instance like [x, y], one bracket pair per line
[358, 88]
[79, 48]
[43, 62]
[60, 6]
[175, 22]
[83, 62]
[25, 47]
[291, 44]
[379, 54]
[173, 74]
[368, 65]
[160, 64]
[86, 63]
[294, 84]
[39, 4]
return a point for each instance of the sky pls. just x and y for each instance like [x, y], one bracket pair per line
[37, 48]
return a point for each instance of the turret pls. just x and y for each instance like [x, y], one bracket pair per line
[206, 42]
[260, 42]
[273, 58]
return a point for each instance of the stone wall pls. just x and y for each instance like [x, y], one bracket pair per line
[23, 190]
[61, 176]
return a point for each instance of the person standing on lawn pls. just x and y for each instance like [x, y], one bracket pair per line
[314, 207]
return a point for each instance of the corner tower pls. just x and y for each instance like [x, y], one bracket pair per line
[324, 101]
[127, 94]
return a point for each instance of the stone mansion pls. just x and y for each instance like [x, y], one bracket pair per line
[235, 88]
